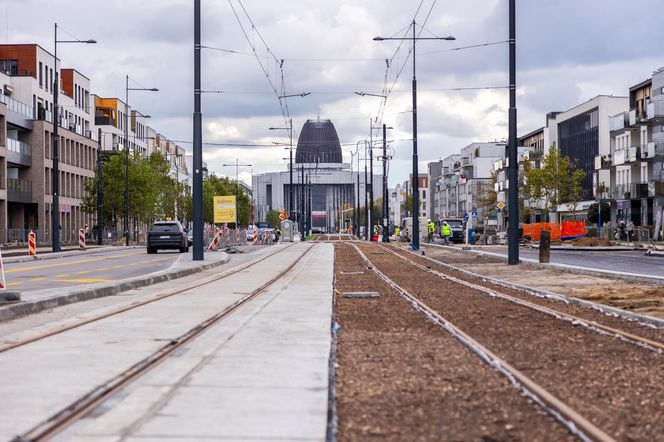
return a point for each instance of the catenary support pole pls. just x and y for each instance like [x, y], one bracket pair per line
[386, 215]
[55, 178]
[513, 169]
[416, 177]
[372, 222]
[100, 191]
[197, 187]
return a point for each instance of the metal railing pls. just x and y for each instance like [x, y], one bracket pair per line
[18, 185]
[20, 236]
[18, 147]
[17, 106]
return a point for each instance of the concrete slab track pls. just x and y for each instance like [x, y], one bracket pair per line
[260, 373]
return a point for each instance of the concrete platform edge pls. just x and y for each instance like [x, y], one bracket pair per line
[614, 311]
[17, 310]
[624, 276]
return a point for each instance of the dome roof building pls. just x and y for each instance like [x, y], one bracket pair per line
[318, 143]
[320, 190]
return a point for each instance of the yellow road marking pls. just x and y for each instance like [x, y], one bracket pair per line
[117, 267]
[36, 279]
[63, 275]
[15, 283]
[46, 266]
[84, 281]
[84, 272]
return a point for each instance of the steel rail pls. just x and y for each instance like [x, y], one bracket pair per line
[69, 414]
[567, 317]
[131, 306]
[574, 421]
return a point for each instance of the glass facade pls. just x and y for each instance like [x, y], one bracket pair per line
[578, 139]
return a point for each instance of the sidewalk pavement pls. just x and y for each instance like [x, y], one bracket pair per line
[36, 301]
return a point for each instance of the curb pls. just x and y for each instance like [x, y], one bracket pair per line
[29, 307]
[624, 276]
[606, 309]
[590, 249]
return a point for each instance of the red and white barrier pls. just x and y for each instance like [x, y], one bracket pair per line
[81, 239]
[32, 244]
[215, 242]
[3, 285]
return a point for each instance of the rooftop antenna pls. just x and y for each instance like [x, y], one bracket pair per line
[318, 114]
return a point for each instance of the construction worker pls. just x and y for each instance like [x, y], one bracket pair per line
[397, 230]
[446, 232]
[431, 227]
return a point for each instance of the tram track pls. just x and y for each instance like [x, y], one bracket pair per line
[77, 409]
[133, 305]
[590, 324]
[565, 368]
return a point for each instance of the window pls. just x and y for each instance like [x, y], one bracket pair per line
[41, 78]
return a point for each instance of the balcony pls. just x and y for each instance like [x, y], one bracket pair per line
[618, 122]
[655, 188]
[602, 162]
[630, 191]
[19, 153]
[104, 121]
[655, 109]
[652, 150]
[16, 106]
[19, 191]
[620, 156]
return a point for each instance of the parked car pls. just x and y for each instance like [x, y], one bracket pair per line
[190, 236]
[167, 235]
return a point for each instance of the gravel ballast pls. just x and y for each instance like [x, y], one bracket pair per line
[400, 377]
[617, 385]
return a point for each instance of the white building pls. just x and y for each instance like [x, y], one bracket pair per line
[323, 185]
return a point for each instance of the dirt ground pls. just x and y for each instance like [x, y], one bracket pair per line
[639, 298]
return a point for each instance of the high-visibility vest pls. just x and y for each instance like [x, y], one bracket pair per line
[430, 227]
[446, 230]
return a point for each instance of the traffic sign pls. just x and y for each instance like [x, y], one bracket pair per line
[500, 205]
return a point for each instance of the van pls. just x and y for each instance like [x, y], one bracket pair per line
[457, 228]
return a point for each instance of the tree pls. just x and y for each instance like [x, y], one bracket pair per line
[216, 186]
[408, 204]
[556, 182]
[489, 197]
[593, 215]
[272, 218]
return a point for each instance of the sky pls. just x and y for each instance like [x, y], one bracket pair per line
[568, 51]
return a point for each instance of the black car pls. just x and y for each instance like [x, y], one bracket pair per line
[167, 235]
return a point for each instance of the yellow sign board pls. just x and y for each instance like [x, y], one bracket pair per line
[225, 209]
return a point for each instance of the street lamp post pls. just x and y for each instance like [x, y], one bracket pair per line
[416, 184]
[513, 169]
[177, 179]
[55, 179]
[237, 187]
[126, 149]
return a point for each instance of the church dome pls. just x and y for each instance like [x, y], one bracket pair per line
[318, 143]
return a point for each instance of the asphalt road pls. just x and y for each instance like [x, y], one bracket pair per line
[83, 269]
[635, 262]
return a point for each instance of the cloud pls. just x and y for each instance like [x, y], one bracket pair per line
[566, 53]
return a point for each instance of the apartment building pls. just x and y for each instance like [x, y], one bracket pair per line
[26, 86]
[465, 178]
[111, 119]
[630, 175]
[397, 197]
[423, 183]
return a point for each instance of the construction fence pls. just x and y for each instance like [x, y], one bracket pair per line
[559, 231]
